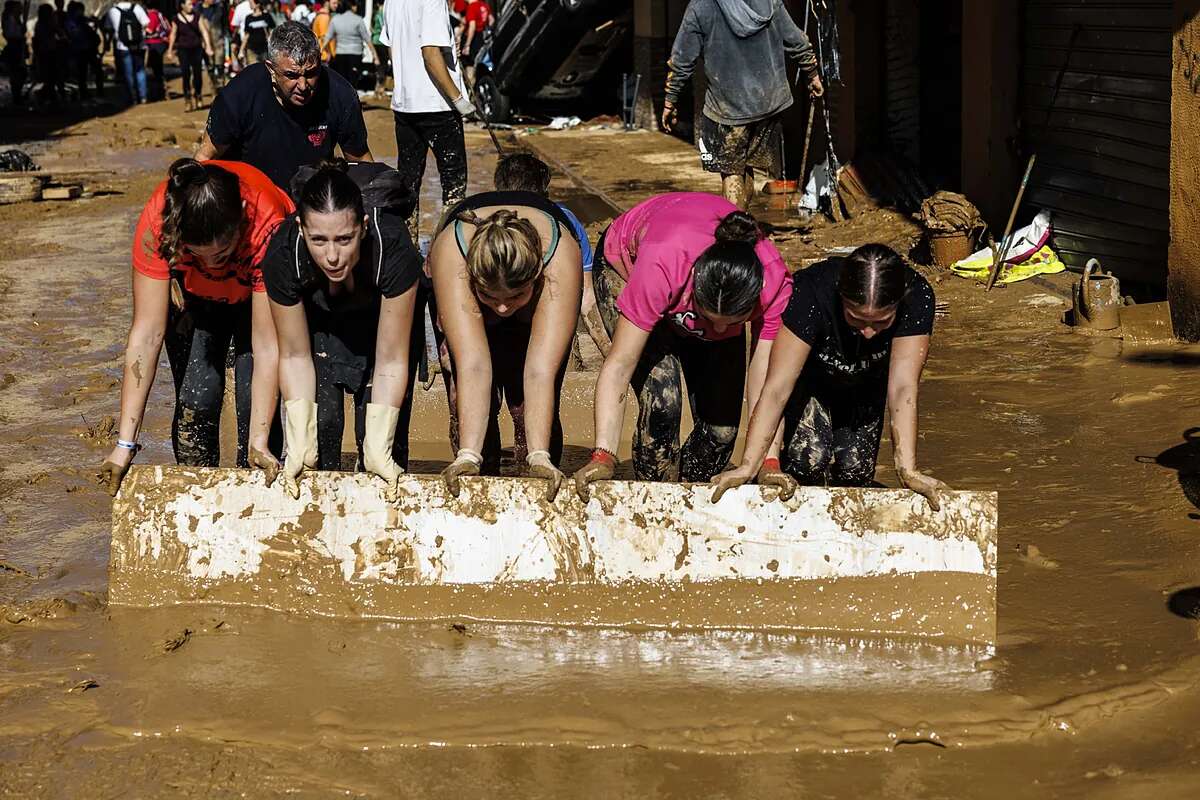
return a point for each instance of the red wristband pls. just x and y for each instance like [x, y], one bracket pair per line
[771, 463]
[602, 456]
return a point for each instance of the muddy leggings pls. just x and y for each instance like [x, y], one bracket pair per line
[715, 373]
[416, 135]
[831, 437]
[508, 341]
[198, 345]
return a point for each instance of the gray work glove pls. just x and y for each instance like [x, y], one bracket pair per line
[540, 466]
[466, 463]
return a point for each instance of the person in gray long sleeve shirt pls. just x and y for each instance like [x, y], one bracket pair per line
[745, 45]
[349, 31]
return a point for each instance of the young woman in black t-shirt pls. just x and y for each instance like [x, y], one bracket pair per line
[342, 281]
[508, 280]
[854, 341]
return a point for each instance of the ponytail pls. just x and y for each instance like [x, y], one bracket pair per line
[203, 205]
[727, 278]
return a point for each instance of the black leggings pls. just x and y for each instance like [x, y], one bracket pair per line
[191, 61]
[508, 342]
[198, 345]
[831, 437]
[154, 65]
[715, 373]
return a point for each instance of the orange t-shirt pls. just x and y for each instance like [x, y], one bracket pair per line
[264, 207]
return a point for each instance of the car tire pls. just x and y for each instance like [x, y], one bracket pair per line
[494, 105]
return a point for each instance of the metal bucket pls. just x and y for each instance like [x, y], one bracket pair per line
[1097, 299]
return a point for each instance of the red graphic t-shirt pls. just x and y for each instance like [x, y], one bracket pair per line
[265, 206]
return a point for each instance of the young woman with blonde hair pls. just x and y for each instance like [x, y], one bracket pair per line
[508, 281]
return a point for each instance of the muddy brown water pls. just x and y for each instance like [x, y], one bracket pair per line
[1091, 692]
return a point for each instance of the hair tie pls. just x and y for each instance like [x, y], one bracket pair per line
[189, 173]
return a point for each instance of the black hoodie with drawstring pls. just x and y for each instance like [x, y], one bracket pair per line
[745, 45]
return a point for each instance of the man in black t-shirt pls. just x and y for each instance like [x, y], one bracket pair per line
[287, 112]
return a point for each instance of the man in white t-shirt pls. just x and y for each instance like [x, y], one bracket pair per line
[128, 22]
[302, 13]
[429, 100]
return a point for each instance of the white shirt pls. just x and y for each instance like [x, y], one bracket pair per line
[240, 12]
[303, 14]
[114, 19]
[409, 25]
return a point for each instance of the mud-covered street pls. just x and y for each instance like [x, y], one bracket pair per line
[1092, 691]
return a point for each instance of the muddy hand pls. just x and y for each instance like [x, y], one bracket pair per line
[261, 459]
[600, 468]
[770, 474]
[110, 475]
[668, 117]
[729, 480]
[815, 87]
[924, 485]
[466, 463]
[540, 466]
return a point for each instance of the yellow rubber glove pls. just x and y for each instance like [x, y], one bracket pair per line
[300, 432]
[377, 446]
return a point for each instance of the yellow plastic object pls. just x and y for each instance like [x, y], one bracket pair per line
[1043, 262]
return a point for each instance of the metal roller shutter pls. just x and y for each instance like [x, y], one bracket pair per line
[1103, 162]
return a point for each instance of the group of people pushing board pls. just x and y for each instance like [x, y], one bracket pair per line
[318, 293]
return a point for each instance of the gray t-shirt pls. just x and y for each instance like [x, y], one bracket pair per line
[350, 31]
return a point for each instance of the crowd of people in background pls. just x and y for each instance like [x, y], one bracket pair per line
[54, 54]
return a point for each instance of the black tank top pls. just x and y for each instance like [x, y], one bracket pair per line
[524, 199]
[187, 34]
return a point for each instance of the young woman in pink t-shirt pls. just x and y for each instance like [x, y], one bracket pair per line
[677, 278]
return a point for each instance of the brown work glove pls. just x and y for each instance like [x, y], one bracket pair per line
[262, 459]
[730, 479]
[600, 468]
[928, 487]
[466, 463]
[771, 474]
[540, 466]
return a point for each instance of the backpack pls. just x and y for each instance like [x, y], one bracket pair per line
[129, 29]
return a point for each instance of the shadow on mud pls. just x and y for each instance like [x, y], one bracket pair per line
[1185, 460]
[1164, 358]
[1185, 603]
